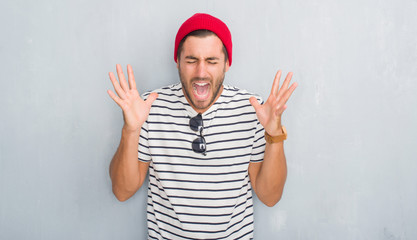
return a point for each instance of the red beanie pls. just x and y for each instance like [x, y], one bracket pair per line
[204, 21]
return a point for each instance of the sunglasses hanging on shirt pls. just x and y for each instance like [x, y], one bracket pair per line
[199, 144]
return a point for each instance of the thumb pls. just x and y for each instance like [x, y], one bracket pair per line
[151, 98]
[254, 102]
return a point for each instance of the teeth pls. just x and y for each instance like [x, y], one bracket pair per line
[200, 85]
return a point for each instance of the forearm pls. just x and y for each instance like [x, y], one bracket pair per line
[272, 175]
[268, 178]
[124, 167]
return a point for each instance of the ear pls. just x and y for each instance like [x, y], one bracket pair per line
[227, 65]
[178, 63]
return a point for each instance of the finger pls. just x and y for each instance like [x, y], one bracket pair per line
[131, 77]
[151, 98]
[115, 97]
[281, 110]
[254, 102]
[285, 84]
[116, 86]
[275, 85]
[122, 78]
[287, 94]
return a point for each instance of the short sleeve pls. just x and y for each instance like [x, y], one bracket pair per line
[258, 147]
[144, 154]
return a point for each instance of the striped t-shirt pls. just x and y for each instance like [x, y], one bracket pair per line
[197, 196]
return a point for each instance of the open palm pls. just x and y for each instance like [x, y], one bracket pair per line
[135, 109]
[269, 114]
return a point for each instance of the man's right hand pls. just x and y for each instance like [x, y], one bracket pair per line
[135, 109]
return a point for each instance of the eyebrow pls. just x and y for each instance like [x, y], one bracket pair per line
[191, 57]
[207, 59]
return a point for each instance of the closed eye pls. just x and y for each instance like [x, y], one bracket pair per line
[191, 59]
[212, 60]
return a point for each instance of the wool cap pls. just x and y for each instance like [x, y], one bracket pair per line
[205, 21]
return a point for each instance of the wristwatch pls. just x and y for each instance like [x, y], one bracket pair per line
[275, 139]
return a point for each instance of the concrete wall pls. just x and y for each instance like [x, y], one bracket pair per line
[352, 142]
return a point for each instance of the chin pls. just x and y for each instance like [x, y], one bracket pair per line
[200, 105]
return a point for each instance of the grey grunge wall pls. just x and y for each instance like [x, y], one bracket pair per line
[352, 133]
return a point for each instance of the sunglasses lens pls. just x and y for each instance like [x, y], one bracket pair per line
[199, 145]
[196, 122]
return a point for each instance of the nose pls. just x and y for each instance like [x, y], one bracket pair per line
[202, 70]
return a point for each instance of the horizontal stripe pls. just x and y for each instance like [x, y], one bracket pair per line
[167, 115]
[165, 107]
[208, 198]
[194, 206]
[211, 194]
[230, 140]
[244, 235]
[208, 150]
[238, 94]
[173, 102]
[201, 223]
[259, 138]
[205, 190]
[234, 115]
[143, 138]
[193, 231]
[248, 224]
[154, 114]
[167, 139]
[227, 236]
[182, 236]
[229, 132]
[198, 158]
[227, 149]
[209, 127]
[256, 160]
[161, 229]
[152, 237]
[180, 109]
[200, 165]
[230, 123]
[263, 145]
[202, 173]
[192, 197]
[201, 206]
[201, 181]
[141, 152]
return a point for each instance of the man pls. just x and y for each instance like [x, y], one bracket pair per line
[206, 144]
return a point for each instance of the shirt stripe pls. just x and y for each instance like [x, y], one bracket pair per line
[196, 196]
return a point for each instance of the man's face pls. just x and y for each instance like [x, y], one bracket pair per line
[202, 67]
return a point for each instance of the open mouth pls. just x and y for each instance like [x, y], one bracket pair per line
[201, 90]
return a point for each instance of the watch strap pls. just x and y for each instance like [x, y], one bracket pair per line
[276, 139]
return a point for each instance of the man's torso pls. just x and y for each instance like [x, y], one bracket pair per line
[191, 195]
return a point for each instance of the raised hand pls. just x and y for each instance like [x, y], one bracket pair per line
[135, 109]
[269, 114]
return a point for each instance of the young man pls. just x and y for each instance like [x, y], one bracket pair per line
[206, 144]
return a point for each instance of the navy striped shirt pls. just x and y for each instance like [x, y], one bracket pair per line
[196, 196]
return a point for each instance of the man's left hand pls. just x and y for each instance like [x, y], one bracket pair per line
[269, 114]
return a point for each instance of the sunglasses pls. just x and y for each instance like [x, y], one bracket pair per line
[199, 144]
